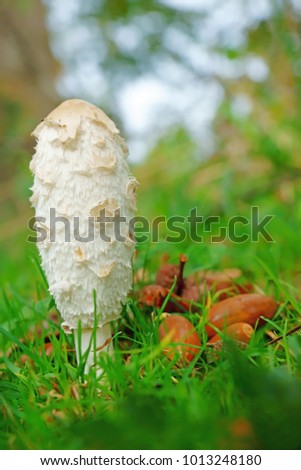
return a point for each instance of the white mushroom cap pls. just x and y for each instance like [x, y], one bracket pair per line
[68, 115]
[80, 168]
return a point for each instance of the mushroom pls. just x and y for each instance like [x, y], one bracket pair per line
[82, 187]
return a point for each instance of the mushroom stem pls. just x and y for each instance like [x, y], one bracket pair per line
[89, 343]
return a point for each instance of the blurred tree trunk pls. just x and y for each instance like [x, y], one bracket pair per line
[27, 93]
[27, 66]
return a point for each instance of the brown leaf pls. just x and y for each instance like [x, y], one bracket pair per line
[153, 295]
[168, 272]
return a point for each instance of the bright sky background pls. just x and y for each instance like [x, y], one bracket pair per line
[151, 103]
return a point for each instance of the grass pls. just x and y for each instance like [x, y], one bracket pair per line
[244, 399]
[247, 398]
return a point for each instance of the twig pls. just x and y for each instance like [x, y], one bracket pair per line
[180, 282]
[290, 332]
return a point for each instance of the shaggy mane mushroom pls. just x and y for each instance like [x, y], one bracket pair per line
[80, 176]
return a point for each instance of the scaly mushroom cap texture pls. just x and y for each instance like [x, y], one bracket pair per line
[80, 169]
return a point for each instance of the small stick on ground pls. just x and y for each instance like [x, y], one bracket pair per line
[180, 281]
[290, 332]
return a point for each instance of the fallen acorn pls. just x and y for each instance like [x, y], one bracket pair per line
[240, 332]
[187, 292]
[166, 275]
[153, 295]
[181, 331]
[223, 283]
[230, 274]
[246, 308]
